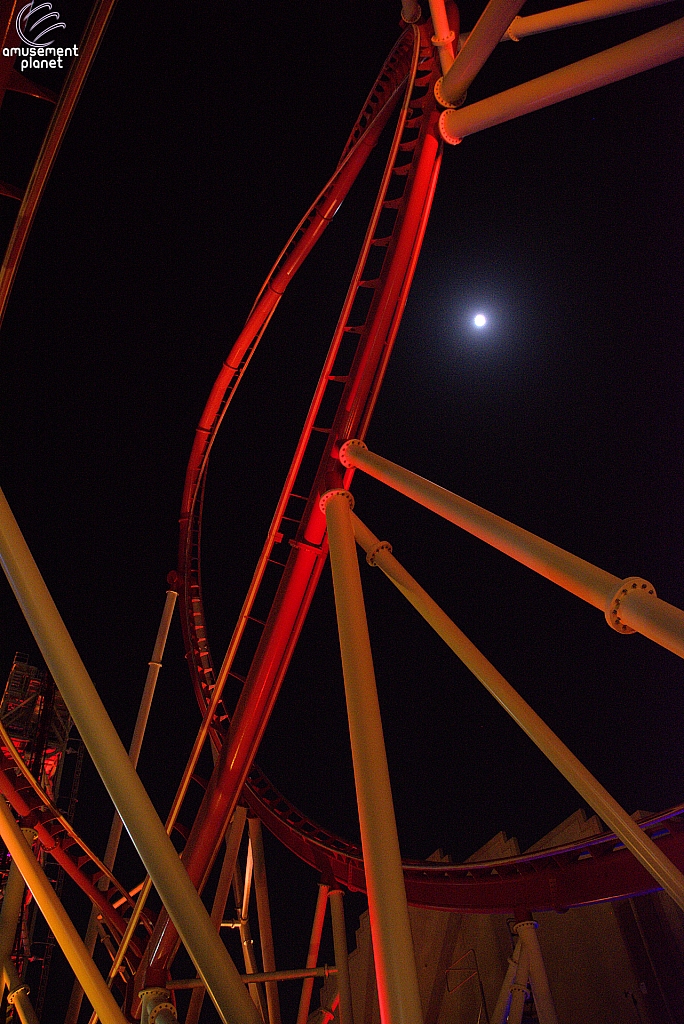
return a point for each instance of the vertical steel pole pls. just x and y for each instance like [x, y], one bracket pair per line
[519, 987]
[589, 788]
[10, 913]
[501, 1009]
[264, 911]
[233, 840]
[312, 955]
[112, 848]
[341, 956]
[543, 1000]
[143, 714]
[58, 920]
[395, 965]
[242, 894]
[130, 798]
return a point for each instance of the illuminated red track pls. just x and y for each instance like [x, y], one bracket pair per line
[295, 551]
[575, 875]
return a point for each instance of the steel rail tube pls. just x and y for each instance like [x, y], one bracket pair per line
[645, 613]
[543, 1000]
[501, 1009]
[485, 37]
[640, 54]
[112, 847]
[10, 911]
[573, 14]
[314, 949]
[339, 930]
[256, 840]
[599, 799]
[130, 798]
[395, 965]
[444, 35]
[58, 920]
[71, 90]
[141, 721]
[218, 907]
[289, 975]
[18, 994]
[305, 562]
[10, 914]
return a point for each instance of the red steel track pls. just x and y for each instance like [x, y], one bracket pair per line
[295, 551]
[583, 873]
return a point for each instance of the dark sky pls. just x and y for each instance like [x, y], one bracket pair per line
[202, 136]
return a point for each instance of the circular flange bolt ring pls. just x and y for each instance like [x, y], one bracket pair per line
[613, 607]
[160, 1008]
[11, 996]
[350, 445]
[383, 545]
[325, 498]
[441, 98]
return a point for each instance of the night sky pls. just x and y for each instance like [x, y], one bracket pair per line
[202, 135]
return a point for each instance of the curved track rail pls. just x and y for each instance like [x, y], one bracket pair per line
[267, 630]
[294, 554]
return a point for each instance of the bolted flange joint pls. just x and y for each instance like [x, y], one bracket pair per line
[156, 1001]
[325, 498]
[441, 98]
[11, 996]
[451, 140]
[350, 446]
[448, 38]
[383, 545]
[630, 585]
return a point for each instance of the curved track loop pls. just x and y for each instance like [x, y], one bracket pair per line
[269, 626]
[373, 118]
[296, 547]
[589, 871]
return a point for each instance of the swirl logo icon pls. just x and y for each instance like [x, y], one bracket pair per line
[35, 22]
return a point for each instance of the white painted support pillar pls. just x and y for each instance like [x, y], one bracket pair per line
[543, 1000]
[341, 956]
[395, 966]
[519, 987]
[629, 605]
[485, 37]
[640, 54]
[58, 920]
[500, 1013]
[218, 908]
[312, 955]
[130, 798]
[444, 36]
[590, 789]
[264, 913]
[573, 14]
[10, 914]
[115, 831]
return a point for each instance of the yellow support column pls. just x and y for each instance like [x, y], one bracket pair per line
[58, 920]
[395, 966]
[590, 789]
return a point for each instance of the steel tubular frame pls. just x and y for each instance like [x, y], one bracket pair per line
[309, 548]
[638, 607]
[632, 605]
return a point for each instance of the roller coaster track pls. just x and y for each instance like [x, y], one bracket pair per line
[58, 838]
[284, 581]
[295, 550]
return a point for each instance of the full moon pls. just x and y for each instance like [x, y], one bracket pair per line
[480, 320]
